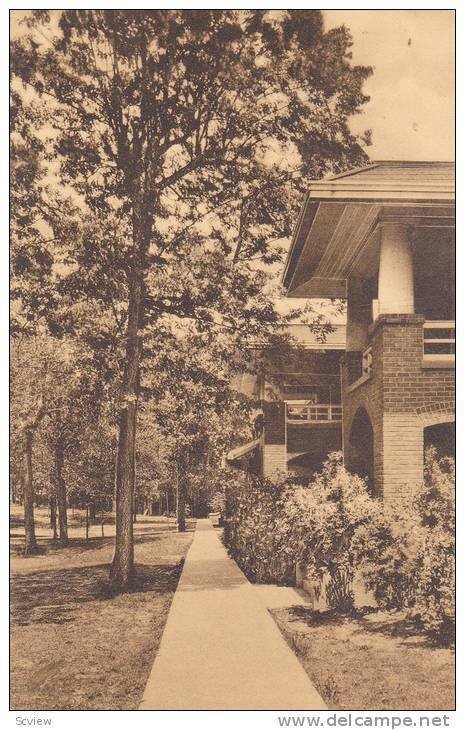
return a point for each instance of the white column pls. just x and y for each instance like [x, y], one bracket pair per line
[395, 280]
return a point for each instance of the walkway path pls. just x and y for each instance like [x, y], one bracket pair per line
[221, 649]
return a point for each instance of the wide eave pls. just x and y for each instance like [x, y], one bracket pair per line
[335, 234]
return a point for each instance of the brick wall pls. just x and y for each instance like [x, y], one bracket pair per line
[317, 440]
[401, 398]
[275, 422]
[274, 459]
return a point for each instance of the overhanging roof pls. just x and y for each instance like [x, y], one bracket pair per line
[341, 213]
[242, 450]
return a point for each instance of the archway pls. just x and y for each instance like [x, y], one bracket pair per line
[361, 458]
[442, 437]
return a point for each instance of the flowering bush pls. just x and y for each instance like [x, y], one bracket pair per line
[217, 502]
[326, 520]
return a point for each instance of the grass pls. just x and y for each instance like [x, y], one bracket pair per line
[72, 647]
[374, 661]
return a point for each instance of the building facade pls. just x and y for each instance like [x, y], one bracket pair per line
[299, 412]
[383, 237]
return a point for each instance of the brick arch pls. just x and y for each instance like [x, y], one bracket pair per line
[436, 413]
[360, 451]
[365, 404]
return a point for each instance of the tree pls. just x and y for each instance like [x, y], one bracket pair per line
[28, 409]
[176, 121]
[74, 406]
[56, 397]
[190, 405]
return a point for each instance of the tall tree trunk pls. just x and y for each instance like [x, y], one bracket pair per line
[181, 496]
[28, 431]
[135, 501]
[60, 493]
[122, 568]
[30, 546]
[53, 517]
[92, 511]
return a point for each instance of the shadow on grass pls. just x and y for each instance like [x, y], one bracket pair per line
[314, 618]
[400, 627]
[55, 596]
[390, 625]
[47, 546]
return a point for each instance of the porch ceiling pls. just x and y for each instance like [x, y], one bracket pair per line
[337, 231]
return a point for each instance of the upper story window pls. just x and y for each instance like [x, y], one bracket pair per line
[439, 340]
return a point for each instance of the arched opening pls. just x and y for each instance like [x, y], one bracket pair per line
[361, 460]
[442, 437]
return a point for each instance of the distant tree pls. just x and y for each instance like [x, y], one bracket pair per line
[175, 122]
[90, 469]
[73, 409]
[195, 414]
[57, 396]
[30, 376]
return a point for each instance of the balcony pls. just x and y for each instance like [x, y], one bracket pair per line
[302, 412]
[439, 343]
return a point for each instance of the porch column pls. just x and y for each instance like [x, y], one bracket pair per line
[395, 279]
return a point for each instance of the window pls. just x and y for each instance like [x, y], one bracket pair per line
[439, 340]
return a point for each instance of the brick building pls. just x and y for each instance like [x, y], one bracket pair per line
[383, 237]
[299, 413]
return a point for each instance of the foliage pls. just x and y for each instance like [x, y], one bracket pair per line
[327, 517]
[332, 527]
[281, 524]
[76, 425]
[89, 469]
[217, 502]
[256, 533]
[411, 561]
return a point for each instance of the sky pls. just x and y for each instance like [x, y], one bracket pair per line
[412, 89]
[411, 111]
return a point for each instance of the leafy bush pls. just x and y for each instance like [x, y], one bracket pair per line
[408, 556]
[326, 519]
[273, 524]
[217, 502]
[255, 532]
[405, 553]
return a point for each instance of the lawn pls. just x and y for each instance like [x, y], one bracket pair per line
[72, 647]
[376, 661]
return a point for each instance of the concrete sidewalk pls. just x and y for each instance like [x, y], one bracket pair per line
[221, 650]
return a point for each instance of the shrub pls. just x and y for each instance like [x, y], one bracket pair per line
[327, 519]
[217, 502]
[405, 553]
[408, 555]
[434, 575]
[255, 532]
[272, 524]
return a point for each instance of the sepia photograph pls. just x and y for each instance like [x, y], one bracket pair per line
[232, 362]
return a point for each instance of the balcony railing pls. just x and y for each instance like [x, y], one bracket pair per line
[367, 362]
[439, 340]
[301, 412]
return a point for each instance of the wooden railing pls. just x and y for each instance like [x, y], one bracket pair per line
[367, 362]
[302, 412]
